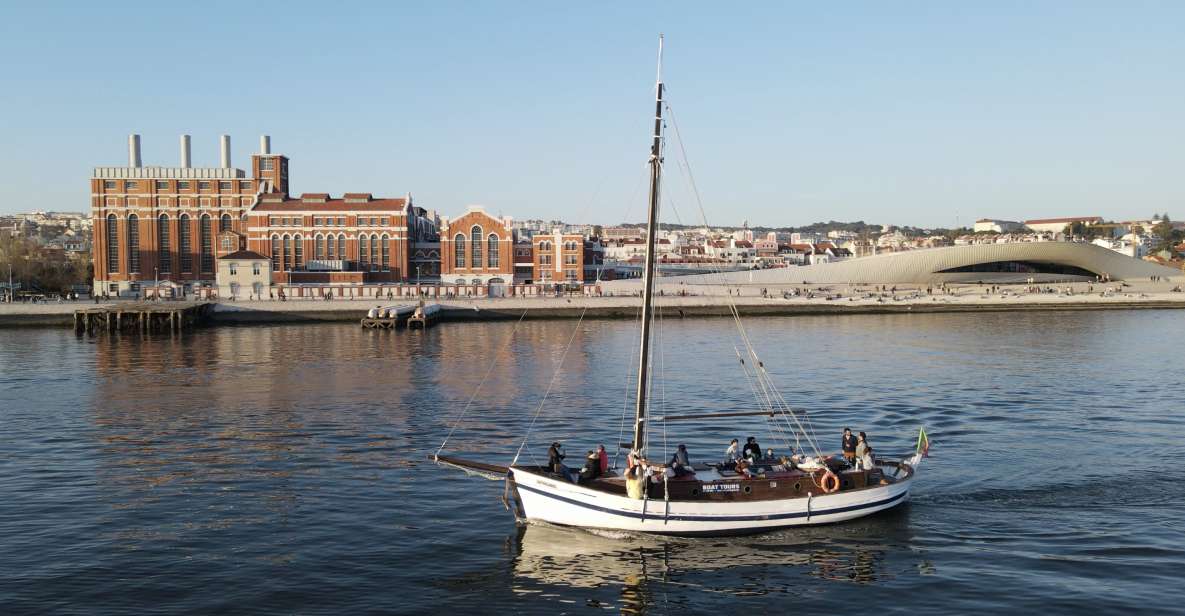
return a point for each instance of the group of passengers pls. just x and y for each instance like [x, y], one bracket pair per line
[857, 452]
[596, 464]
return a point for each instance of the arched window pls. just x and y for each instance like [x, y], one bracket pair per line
[319, 247]
[224, 223]
[475, 237]
[164, 258]
[341, 247]
[363, 252]
[275, 253]
[207, 244]
[186, 233]
[374, 252]
[386, 241]
[492, 251]
[298, 261]
[287, 253]
[459, 251]
[330, 246]
[133, 243]
[112, 244]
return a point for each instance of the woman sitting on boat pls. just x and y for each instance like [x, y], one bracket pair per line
[680, 463]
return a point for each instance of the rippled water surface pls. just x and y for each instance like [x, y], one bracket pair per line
[284, 469]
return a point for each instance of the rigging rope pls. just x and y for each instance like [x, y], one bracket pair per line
[465, 409]
[762, 376]
[550, 384]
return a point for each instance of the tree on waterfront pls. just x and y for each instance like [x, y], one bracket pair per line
[38, 268]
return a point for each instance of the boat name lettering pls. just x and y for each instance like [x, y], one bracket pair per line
[721, 487]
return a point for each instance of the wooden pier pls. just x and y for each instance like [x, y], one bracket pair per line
[424, 316]
[146, 318]
[389, 317]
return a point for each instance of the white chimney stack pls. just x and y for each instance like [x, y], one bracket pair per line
[225, 152]
[265, 144]
[133, 150]
[185, 152]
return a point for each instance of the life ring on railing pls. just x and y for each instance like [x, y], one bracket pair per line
[830, 483]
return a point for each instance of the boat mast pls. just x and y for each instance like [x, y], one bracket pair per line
[649, 271]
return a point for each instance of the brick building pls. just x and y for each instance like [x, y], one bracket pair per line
[170, 224]
[477, 248]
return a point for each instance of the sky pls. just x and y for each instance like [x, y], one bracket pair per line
[928, 114]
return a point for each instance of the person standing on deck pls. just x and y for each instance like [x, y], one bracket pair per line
[555, 459]
[849, 446]
[861, 447]
[603, 459]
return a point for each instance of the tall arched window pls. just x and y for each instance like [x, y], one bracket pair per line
[330, 245]
[298, 252]
[374, 252]
[275, 253]
[186, 233]
[164, 258]
[475, 237]
[133, 243]
[319, 247]
[224, 223]
[341, 247]
[459, 251]
[112, 244]
[363, 251]
[206, 241]
[492, 256]
[386, 253]
[287, 253]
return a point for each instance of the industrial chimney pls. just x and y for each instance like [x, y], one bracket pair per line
[265, 144]
[225, 152]
[185, 152]
[133, 150]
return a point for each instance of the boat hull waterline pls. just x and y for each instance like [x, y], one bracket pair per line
[549, 499]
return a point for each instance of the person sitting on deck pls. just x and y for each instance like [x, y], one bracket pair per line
[592, 468]
[603, 457]
[743, 469]
[861, 447]
[849, 446]
[752, 450]
[555, 460]
[732, 454]
[680, 463]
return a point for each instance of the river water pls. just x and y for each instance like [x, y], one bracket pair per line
[284, 469]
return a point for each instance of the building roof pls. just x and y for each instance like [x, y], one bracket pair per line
[1042, 221]
[244, 254]
[321, 202]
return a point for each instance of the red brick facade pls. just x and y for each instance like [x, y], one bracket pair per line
[476, 248]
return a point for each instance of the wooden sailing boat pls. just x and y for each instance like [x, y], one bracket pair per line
[715, 499]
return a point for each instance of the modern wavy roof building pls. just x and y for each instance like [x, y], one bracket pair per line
[997, 263]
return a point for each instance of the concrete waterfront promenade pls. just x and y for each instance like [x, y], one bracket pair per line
[705, 301]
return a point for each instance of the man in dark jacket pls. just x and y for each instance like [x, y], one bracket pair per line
[849, 446]
[752, 450]
[555, 459]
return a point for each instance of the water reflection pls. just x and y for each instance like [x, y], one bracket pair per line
[629, 572]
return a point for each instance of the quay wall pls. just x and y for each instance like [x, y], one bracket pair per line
[621, 307]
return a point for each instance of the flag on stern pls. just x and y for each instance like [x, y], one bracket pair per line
[923, 443]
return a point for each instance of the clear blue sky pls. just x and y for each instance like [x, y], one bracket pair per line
[907, 112]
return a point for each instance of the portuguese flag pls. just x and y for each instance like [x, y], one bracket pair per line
[923, 443]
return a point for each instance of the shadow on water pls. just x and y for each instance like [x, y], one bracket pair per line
[636, 573]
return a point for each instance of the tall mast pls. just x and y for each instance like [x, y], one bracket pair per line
[649, 272]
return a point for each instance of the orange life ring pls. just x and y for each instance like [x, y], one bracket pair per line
[830, 482]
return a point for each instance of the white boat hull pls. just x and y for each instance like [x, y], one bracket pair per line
[552, 500]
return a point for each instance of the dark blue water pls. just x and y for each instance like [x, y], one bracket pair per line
[283, 469]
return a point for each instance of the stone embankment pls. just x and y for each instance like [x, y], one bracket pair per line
[800, 300]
